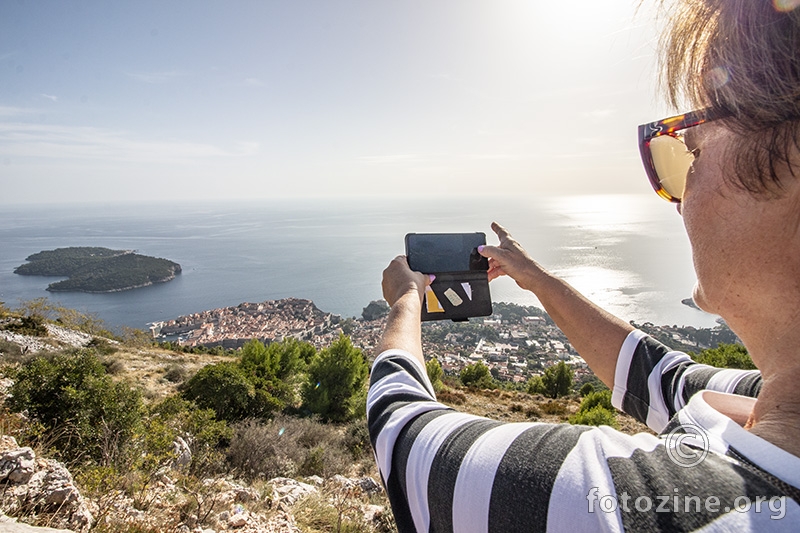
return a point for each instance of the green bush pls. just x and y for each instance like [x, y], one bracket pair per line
[586, 388]
[596, 410]
[223, 387]
[206, 436]
[725, 356]
[557, 380]
[82, 412]
[601, 398]
[282, 360]
[435, 373]
[263, 381]
[335, 386]
[277, 369]
[27, 325]
[535, 385]
[477, 375]
[596, 416]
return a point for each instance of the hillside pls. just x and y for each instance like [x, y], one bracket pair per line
[93, 269]
[314, 475]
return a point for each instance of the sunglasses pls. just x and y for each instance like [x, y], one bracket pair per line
[667, 160]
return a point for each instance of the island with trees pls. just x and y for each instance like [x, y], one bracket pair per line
[98, 270]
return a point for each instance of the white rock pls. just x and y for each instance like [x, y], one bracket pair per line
[372, 512]
[18, 465]
[7, 442]
[369, 485]
[342, 481]
[183, 454]
[316, 480]
[237, 520]
[288, 491]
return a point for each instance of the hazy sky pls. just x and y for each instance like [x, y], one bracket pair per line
[199, 100]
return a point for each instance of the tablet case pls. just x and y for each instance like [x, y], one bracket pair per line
[459, 295]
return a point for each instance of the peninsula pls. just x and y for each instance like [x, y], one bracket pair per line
[98, 270]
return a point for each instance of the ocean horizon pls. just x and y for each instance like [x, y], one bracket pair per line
[628, 253]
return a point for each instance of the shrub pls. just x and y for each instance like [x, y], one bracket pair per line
[114, 366]
[356, 439]
[533, 412]
[596, 410]
[435, 373]
[535, 385]
[287, 446]
[557, 380]
[102, 346]
[335, 387]
[176, 373]
[477, 375]
[553, 408]
[601, 398]
[586, 388]
[27, 325]
[275, 370]
[282, 360]
[451, 397]
[596, 416]
[9, 350]
[83, 413]
[206, 436]
[725, 356]
[223, 387]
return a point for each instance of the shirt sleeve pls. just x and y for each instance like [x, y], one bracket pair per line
[652, 382]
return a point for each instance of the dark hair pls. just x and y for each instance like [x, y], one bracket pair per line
[741, 57]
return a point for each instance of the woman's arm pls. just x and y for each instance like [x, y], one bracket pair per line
[403, 289]
[596, 334]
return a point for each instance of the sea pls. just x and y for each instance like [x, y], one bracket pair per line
[627, 253]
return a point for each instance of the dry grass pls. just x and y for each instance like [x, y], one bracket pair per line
[148, 368]
[511, 406]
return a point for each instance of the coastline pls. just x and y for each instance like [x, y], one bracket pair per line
[111, 291]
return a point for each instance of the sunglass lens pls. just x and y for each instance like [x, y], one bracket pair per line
[672, 161]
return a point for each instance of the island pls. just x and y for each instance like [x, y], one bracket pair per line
[98, 270]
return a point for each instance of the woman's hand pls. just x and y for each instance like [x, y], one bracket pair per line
[596, 334]
[403, 289]
[509, 258]
[399, 280]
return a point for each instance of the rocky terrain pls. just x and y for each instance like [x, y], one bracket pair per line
[41, 491]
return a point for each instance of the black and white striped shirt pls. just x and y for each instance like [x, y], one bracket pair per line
[449, 471]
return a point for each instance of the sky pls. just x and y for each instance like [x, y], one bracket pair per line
[210, 100]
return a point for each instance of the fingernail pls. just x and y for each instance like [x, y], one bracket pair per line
[480, 249]
[432, 277]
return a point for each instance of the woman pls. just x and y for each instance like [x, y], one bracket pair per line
[724, 459]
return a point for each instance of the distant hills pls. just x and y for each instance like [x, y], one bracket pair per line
[97, 270]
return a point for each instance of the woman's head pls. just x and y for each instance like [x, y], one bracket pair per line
[742, 57]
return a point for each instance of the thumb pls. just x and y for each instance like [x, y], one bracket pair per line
[489, 251]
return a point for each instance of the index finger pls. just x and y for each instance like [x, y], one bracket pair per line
[502, 233]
